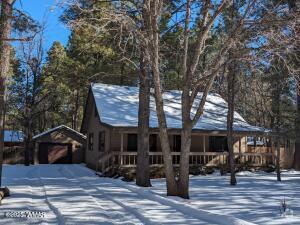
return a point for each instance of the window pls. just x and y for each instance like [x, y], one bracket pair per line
[218, 144]
[176, 143]
[132, 142]
[153, 142]
[101, 141]
[91, 141]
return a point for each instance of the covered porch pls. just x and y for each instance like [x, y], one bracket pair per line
[207, 149]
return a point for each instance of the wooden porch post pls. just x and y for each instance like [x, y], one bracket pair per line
[204, 145]
[246, 144]
[122, 148]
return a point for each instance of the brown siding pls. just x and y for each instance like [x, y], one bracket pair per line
[12, 144]
[94, 126]
[116, 141]
[243, 142]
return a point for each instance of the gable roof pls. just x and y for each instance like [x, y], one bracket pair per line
[118, 107]
[61, 127]
[13, 136]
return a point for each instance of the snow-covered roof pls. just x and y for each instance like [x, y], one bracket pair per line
[13, 136]
[58, 128]
[118, 107]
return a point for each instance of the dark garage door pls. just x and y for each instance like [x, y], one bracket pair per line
[55, 153]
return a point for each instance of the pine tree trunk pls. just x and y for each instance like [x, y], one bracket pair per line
[230, 119]
[5, 29]
[293, 6]
[172, 188]
[278, 173]
[186, 139]
[27, 121]
[297, 144]
[143, 169]
[75, 110]
[151, 13]
[276, 110]
[28, 139]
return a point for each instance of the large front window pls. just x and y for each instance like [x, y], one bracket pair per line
[218, 144]
[132, 142]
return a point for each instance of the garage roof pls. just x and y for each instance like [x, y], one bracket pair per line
[61, 127]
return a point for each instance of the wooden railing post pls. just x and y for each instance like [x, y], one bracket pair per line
[204, 144]
[122, 148]
[246, 144]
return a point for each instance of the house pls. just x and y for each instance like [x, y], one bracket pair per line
[59, 145]
[111, 118]
[13, 138]
[13, 147]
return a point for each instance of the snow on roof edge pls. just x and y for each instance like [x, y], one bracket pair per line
[57, 128]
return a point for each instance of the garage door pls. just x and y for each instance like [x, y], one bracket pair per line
[53, 153]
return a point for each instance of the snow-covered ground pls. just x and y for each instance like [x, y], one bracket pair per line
[73, 194]
[256, 198]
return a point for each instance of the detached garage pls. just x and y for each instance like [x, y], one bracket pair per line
[59, 145]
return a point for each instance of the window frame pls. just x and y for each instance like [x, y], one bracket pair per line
[101, 141]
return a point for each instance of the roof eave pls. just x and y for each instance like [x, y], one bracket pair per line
[57, 129]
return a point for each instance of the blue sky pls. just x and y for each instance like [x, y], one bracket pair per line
[40, 10]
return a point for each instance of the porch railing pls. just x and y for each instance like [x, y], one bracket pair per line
[129, 159]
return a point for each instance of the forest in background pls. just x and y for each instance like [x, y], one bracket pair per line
[47, 89]
[246, 51]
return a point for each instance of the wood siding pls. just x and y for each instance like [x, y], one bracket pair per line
[94, 126]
